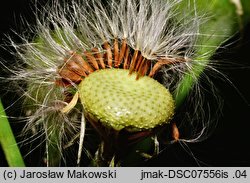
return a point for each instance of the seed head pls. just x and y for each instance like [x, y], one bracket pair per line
[123, 57]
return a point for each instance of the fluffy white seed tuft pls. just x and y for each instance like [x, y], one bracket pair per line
[158, 29]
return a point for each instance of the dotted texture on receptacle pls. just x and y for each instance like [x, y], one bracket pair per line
[120, 101]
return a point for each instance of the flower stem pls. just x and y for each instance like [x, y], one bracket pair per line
[8, 142]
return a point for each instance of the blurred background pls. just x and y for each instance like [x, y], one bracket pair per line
[229, 145]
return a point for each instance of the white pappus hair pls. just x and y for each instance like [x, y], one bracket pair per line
[158, 29]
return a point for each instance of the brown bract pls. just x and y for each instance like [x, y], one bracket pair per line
[77, 66]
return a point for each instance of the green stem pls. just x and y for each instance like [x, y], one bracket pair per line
[134, 156]
[54, 154]
[221, 26]
[53, 145]
[8, 142]
[187, 83]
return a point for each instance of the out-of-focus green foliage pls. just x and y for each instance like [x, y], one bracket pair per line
[223, 22]
[246, 12]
